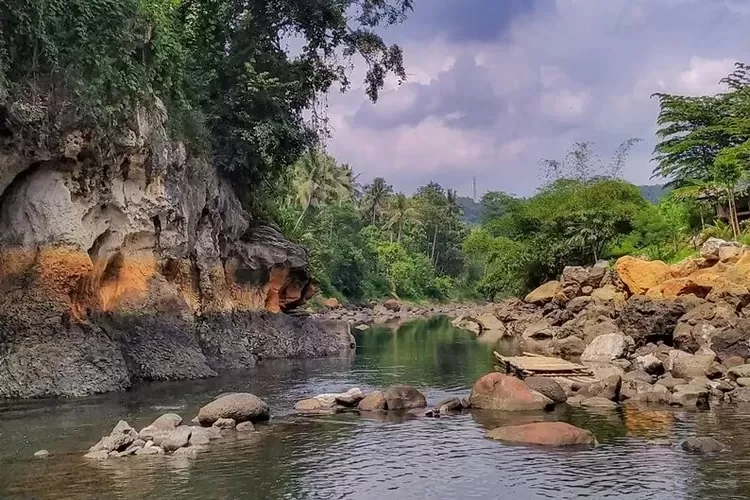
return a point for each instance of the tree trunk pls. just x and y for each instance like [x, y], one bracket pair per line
[400, 229]
[302, 215]
[434, 245]
[733, 213]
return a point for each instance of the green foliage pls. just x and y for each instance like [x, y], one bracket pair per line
[220, 66]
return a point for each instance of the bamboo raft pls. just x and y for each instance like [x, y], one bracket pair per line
[536, 365]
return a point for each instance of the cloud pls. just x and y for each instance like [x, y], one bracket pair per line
[493, 89]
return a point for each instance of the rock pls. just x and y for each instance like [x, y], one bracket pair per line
[737, 372]
[151, 450]
[703, 445]
[332, 303]
[608, 347]
[544, 433]
[631, 388]
[641, 275]
[568, 347]
[540, 330]
[740, 395]
[639, 375]
[130, 450]
[320, 403]
[552, 290]
[468, 323]
[650, 364]
[598, 403]
[97, 455]
[691, 397]
[692, 366]
[225, 424]
[240, 407]
[403, 397]
[490, 323]
[497, 391]
[189, 452]
[200, 435]
[575, 400]
[245, 427]
[743, 381]
[120, 438]
[177, 438]
[652, 397]
[732, 361]
[392, 305]
[164, 423]
[609, 388]
[711, 249]
[650, 320]
[585, 277]
[41, 454]
[607, 293]
[547, 387]
[351, 397]
[723, 385]
[578, 304]
[372, 402]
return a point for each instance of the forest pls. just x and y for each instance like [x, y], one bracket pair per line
[238, 96]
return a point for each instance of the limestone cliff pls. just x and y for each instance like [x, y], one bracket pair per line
[124, 258]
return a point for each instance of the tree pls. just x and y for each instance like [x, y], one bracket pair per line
[582, 163]
[730, 167]
[318, 180]
[401, 212]
[375, 199]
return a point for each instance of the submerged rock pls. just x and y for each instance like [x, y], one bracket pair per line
[240, 407]
[497, 391]
[41, 454]
[703, 445]
[544, 433]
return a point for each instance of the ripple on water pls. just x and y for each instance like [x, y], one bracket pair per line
[370, 456]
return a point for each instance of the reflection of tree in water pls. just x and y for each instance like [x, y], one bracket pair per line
[423, 352]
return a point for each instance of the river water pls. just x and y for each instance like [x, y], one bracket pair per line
[369, 457]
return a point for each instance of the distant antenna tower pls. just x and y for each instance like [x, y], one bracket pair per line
[474, 185]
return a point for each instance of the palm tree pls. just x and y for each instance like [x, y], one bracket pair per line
[319, 180]
[401, 212]
[376, 197]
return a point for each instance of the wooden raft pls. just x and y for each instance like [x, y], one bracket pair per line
[543, 366]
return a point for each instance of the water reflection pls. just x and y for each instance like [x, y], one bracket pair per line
[370, 456]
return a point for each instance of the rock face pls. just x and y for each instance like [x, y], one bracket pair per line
[134, 264]
[241, 407]
[545, 434]
[496, 391]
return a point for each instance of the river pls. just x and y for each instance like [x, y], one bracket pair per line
[368, 457]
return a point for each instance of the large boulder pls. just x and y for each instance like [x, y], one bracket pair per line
[641, 275]
[548, 292]
[692, 365]
[648, 320]
[608, 347]
[544, 433]
[712, 249]
[732, 340]
[241, 407]
[403, 397]
[497, 391]
[161, 425]
[121, 436]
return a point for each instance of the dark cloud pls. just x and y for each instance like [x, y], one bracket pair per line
[468, 20]
[463, 97]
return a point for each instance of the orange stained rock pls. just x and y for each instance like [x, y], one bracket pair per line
[59, 270]
[15, 261]
[641, 275]
[676, 287]
[126, 280]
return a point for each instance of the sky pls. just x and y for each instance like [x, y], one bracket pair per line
[495, 85]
